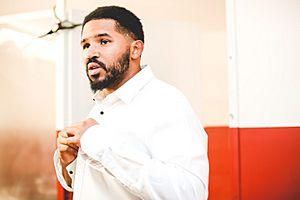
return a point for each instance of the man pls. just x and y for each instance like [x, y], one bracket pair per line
[141, 140]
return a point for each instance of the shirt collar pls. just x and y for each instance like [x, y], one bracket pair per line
[129, 89]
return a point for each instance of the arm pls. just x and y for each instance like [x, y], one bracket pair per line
[171, 163]
[68, 143]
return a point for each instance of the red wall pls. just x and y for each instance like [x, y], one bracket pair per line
[254, 163]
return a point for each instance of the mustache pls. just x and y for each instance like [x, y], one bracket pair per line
[94, 60]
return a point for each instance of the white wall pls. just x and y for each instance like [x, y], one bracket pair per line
[20, 6]
[265, 62]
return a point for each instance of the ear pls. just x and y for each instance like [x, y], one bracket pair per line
[136, 49]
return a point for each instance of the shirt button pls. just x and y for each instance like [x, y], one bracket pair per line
[101, 112]
[70, 172]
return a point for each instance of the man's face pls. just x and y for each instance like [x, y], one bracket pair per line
[106, 54]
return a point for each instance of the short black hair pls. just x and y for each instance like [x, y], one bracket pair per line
[126, 21]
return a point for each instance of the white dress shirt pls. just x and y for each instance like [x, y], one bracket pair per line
[148, 144]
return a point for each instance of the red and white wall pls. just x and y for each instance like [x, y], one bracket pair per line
[257, 155]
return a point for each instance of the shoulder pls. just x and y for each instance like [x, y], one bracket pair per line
[164, 90]
[166, 97]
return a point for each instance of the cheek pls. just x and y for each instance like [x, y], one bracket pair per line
[84, 58]
[110, 59]
[114, 52]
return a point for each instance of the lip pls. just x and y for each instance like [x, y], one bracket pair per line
[92, 66]
[94, 69]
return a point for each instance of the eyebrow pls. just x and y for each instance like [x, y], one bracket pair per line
[95, 36]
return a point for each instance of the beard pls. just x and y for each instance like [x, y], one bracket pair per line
[114, 73]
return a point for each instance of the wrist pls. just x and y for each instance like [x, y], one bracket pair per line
[88, 123]
[85, 124]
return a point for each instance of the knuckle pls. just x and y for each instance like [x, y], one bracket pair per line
[62, 147]
[62, 134]
[60, 141]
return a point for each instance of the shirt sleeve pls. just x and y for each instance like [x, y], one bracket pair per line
[171, 164]
[71, 169]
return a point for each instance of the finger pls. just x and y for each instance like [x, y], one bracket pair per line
[74, 146]
[63, 134]
[67, 148]
[71, 131]
[62, 147]
[62, 140]
[74, 141]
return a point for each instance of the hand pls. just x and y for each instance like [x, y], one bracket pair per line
[67, 152]
[68, 141]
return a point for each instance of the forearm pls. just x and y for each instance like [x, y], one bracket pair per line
[87, 123]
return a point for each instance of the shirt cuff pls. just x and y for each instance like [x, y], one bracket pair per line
[71, 169]
[58, 170]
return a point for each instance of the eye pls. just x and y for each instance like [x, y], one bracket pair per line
[104, 42]
[86, 45]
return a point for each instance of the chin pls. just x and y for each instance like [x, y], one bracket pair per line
[96, 78]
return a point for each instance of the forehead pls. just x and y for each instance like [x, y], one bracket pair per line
[99, 26]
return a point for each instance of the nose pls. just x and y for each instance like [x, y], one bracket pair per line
[92, 51]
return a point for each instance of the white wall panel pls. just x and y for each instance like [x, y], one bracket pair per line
[265, 62]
